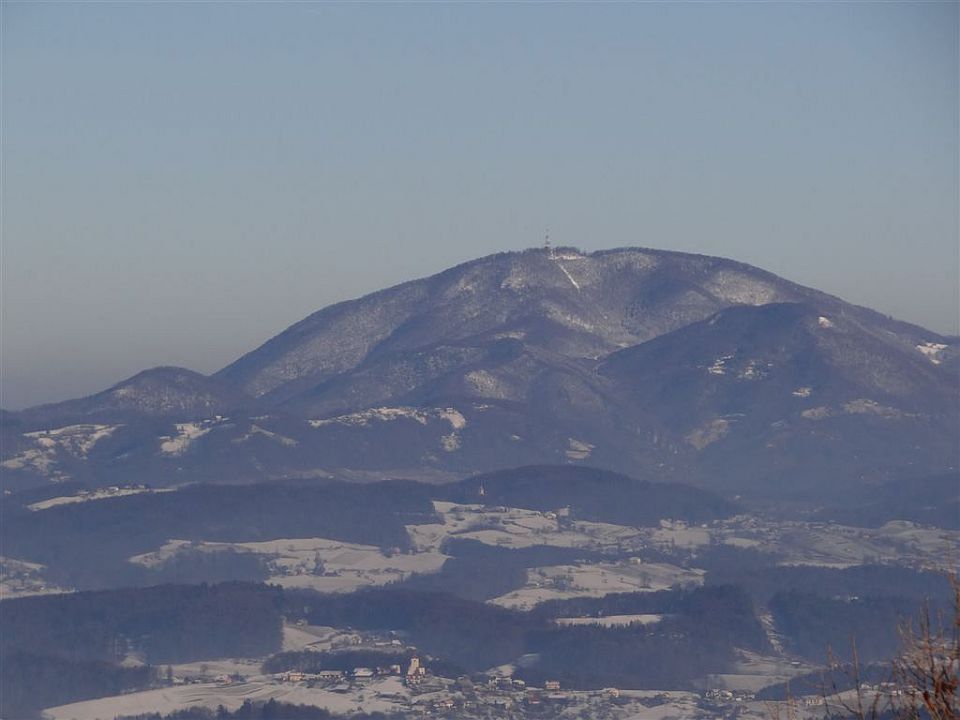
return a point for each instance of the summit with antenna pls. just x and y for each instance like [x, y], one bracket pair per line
[547, 246]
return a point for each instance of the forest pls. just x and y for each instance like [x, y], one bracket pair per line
[87, 545]
[477, 571]
[698, 634]
[62, 648]
[591, 494]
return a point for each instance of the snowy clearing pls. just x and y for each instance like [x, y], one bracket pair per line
[518, 528]
[932, 351]
[186, 434]
[562, 582]
[314, 563]
[89, 496]
[390, 414]
[257, 430]
[257, 689]
[578, 449]
[75, 440]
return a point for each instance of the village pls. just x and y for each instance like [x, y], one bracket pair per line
[411, 687]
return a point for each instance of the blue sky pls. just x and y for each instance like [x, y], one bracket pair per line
[183, 180]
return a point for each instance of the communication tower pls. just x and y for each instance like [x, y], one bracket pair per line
[547, 246]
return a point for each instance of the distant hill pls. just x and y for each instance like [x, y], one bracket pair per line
[590, 494]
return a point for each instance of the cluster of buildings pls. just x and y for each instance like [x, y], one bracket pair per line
[509, 697]
[727, 696]
[431, 694]
[414, 676]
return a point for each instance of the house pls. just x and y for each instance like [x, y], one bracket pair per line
[551, 685]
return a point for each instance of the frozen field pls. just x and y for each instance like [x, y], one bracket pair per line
[101, 494]
[19, 579]
[315, 563]
[842, 546]
[519, 528]
[562, 582]
[259, 688]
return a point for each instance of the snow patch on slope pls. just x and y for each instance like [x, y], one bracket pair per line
[38, 460]
[569, 276]
[454, 417]
[488, 385]
[865, 406]
[719, 365]
[932, 351]
[860, 406]
[186, 434]
[754, 370]
[76, 440]
[365, 418]
[740, 288]
[257, 430]
[709, 433]
[578, 449]
[450, 442]
[91, 495]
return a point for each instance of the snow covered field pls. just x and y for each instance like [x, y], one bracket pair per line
[100, 494]
[50, 445]
[259, 688]
[19, 579]
[315, 563]
[518, 528]
[561, 582]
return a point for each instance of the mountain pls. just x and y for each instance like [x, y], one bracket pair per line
[791, 399]
[159, 392]
[657, 364]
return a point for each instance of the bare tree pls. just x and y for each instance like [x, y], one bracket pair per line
[859, 702]
[926, 672]
[922, 682]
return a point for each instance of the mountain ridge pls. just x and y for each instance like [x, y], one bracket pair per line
[648, 362]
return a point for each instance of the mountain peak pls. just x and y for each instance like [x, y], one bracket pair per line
[163, 391]
[594, 302]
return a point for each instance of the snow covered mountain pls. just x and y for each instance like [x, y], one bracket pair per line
[158, 392]
[659, 364]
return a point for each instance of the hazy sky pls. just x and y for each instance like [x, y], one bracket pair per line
[183, 180]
